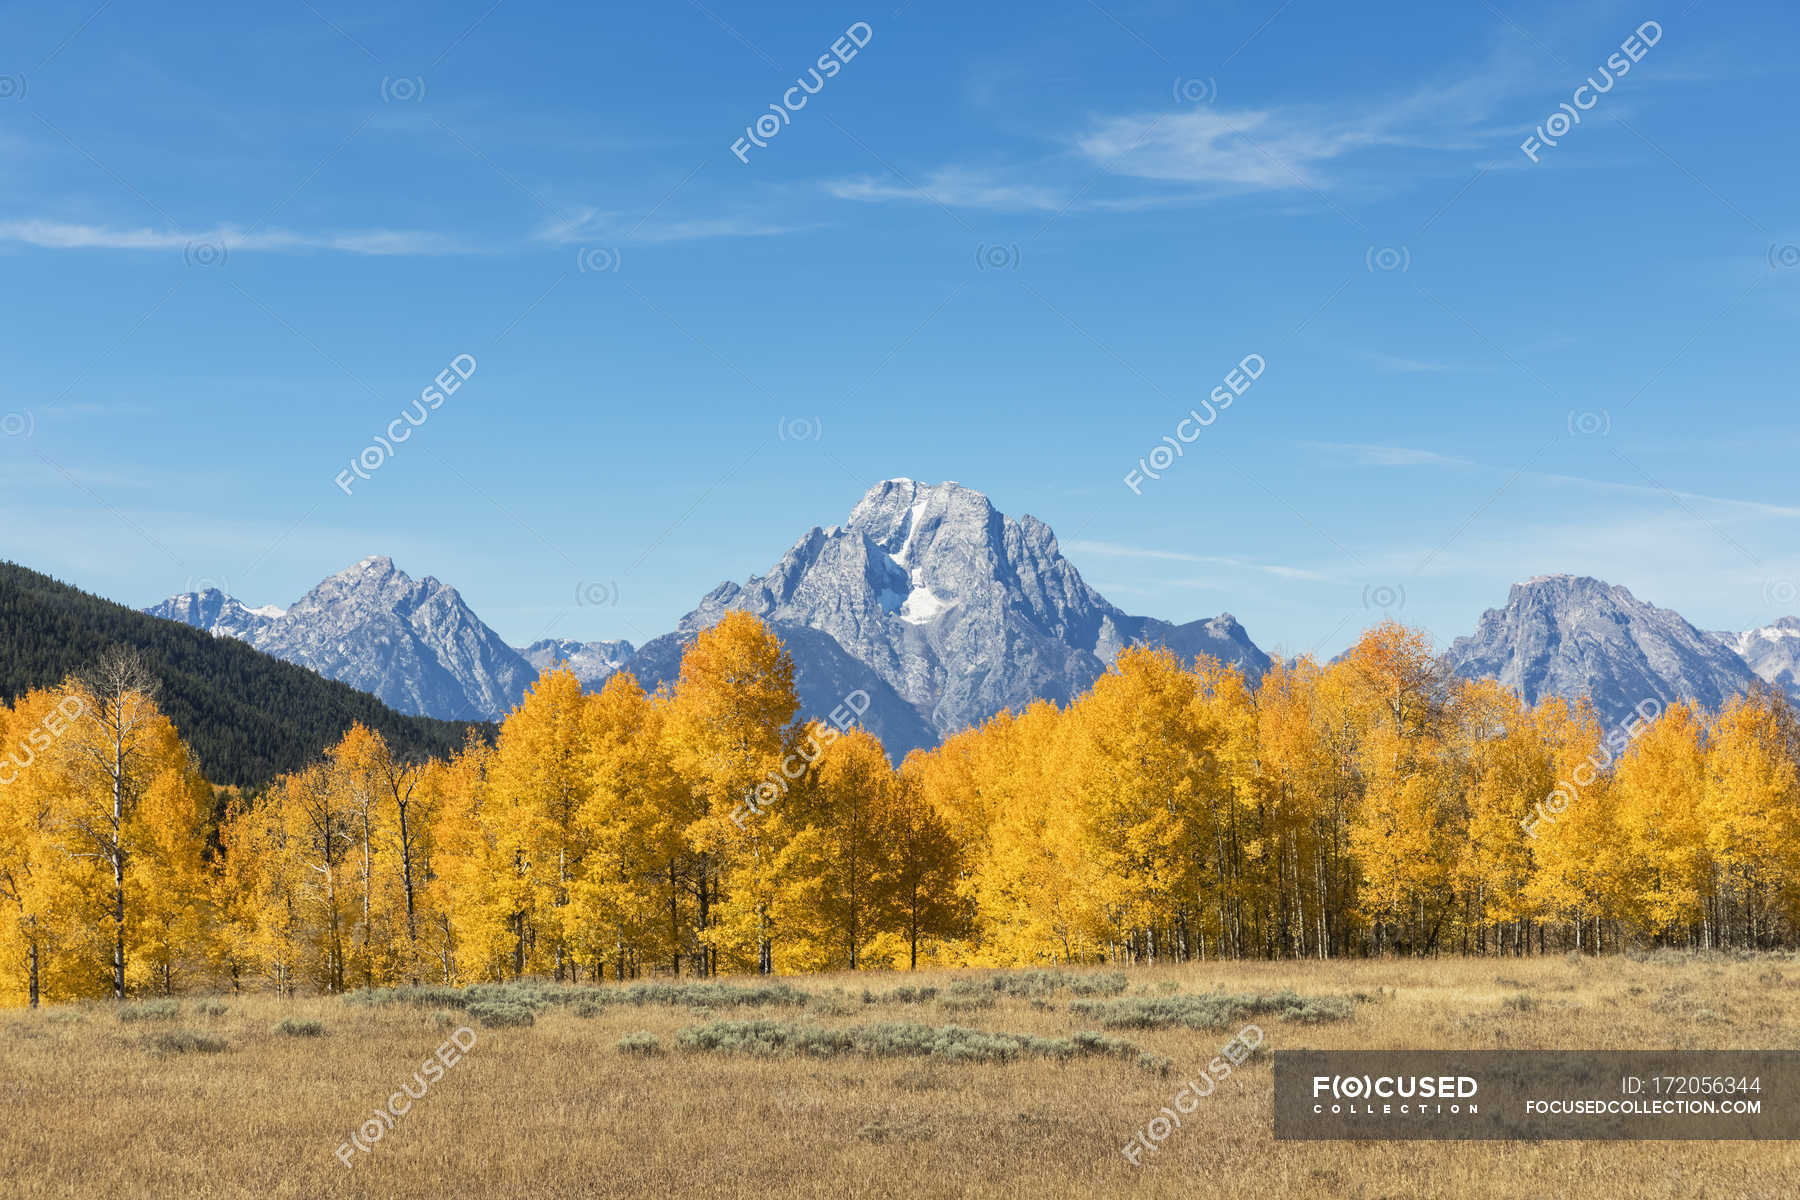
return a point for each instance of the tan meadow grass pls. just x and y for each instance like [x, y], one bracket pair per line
[89, 1107]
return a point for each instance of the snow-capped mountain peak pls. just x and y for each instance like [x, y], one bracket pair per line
[592, 662]
[1773, 652]
[413, 643]
[956, 609]
[217, 613]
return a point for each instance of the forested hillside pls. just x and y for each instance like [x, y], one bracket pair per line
[247, 717]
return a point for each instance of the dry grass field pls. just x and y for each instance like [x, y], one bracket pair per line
[91, 1106]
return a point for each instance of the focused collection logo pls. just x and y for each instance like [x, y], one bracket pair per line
[1394, 1095]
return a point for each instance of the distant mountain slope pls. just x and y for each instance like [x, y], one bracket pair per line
[1572, 636]
[247, 716]
[413, 644]
[592, 662]
[1773, 652]
[824, 676]
[959, 610]
[215, 612]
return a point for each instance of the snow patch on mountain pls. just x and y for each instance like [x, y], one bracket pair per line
[1772, 651]
[592, 662]
[956, 608]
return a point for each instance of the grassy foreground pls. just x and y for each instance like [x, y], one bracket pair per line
[199, 1104]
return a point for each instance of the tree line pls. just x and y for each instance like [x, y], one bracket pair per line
[247, 716]
[1370, 806]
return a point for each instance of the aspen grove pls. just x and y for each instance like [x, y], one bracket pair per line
[1370, 806]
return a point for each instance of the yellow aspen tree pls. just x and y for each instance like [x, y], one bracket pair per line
[358, 770]
[1037, 885]
[1508, 772]
[174, 923]
[1659, 783]
[257, 894]
[538, 773]
[1237, 839]
[626, 905]
[111, 756]
[835, 871]
[731, 740]
[1751, 818]
[30, 859]
[320, 833]
[927, 910]
[1410, 823]
[487, 885]
[946, 783]
[1146, 782]
[1306, 751]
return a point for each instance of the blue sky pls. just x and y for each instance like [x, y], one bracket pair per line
[1008, 245]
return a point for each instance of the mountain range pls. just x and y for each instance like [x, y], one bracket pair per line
[413, 644]
[945, 611]
[247, 716]
[1572, 636]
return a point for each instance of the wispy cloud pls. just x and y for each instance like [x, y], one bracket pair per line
[1249, 148]
[955, 187]
[1198, 154]
[1114, 550]
[1367, 454]
[1753, 507]
[1371, 455]
[599, 225]
[63, 235]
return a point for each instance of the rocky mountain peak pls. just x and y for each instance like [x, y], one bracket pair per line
[1573, 636]
[592, 662]
[413, 643]
[955, 608]
[1772, 651]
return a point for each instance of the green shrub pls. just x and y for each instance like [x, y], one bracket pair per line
[1213, 1011]
[298, 1027]
[586, 999]
[646, 1045]
[183, 1041]
[212, 1008]
[966, 1003]
[1104, 983]
[901, 995]
[502, 1014]
[1160, 1064]
[1025, 985]
[834, 1003]
[150, 1010]
[707, 994]
[948, 1043]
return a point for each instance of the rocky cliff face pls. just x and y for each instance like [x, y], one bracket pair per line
[217, 613]
[959, 610]
[1572, 636]
[1773, 652]
[413, 643]
[592, 662]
